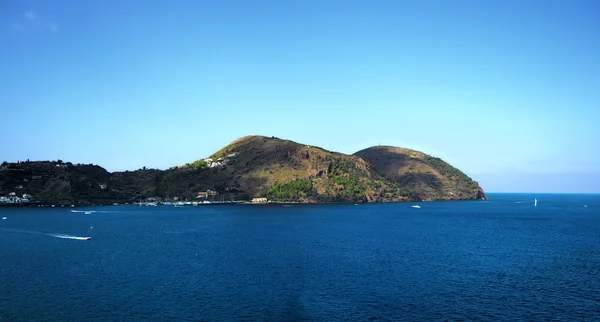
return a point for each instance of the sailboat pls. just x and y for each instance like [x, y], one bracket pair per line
[535, 202]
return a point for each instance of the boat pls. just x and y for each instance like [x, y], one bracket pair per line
[87, 238]
[416, 206]
[4, 218]
[535, 202]
[87, 212]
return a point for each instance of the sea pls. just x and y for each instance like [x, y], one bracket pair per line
[497, 260]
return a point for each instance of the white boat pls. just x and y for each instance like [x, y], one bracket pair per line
[535, 202]
[416, 206]
[87, 238]
[87, 212]
[4, 218]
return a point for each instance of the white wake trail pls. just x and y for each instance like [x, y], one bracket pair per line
[69, 236]
[64, 236]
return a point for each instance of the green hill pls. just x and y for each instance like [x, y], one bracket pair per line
[428, 177]
[287, 171]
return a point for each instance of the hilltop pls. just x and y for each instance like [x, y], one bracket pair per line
[253, 166]
[430, 178]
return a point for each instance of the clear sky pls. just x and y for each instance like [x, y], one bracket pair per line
[507, 91]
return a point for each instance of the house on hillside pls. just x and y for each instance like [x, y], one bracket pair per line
[205, 194]
[259, 200]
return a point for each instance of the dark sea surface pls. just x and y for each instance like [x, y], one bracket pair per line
[502, 259]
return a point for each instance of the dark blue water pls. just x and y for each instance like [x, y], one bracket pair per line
[492, 260]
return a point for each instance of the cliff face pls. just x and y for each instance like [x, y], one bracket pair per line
[428, 177]
[254, 166]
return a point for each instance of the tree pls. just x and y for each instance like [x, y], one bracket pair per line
[198, 164]
[59, 161]
[4, 163]
[144, 168]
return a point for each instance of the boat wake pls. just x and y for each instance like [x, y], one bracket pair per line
[69, 237]
[64, 236]
[85, 212]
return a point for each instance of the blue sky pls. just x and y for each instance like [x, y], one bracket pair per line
[507, 91]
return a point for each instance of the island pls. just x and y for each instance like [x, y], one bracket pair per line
[253, 168]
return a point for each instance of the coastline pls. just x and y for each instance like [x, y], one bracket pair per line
[50, 204]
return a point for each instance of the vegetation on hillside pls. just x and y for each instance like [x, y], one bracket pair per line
[296, 190]
[423, 176]
[449, 171]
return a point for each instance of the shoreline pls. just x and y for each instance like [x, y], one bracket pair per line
[46, 204]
